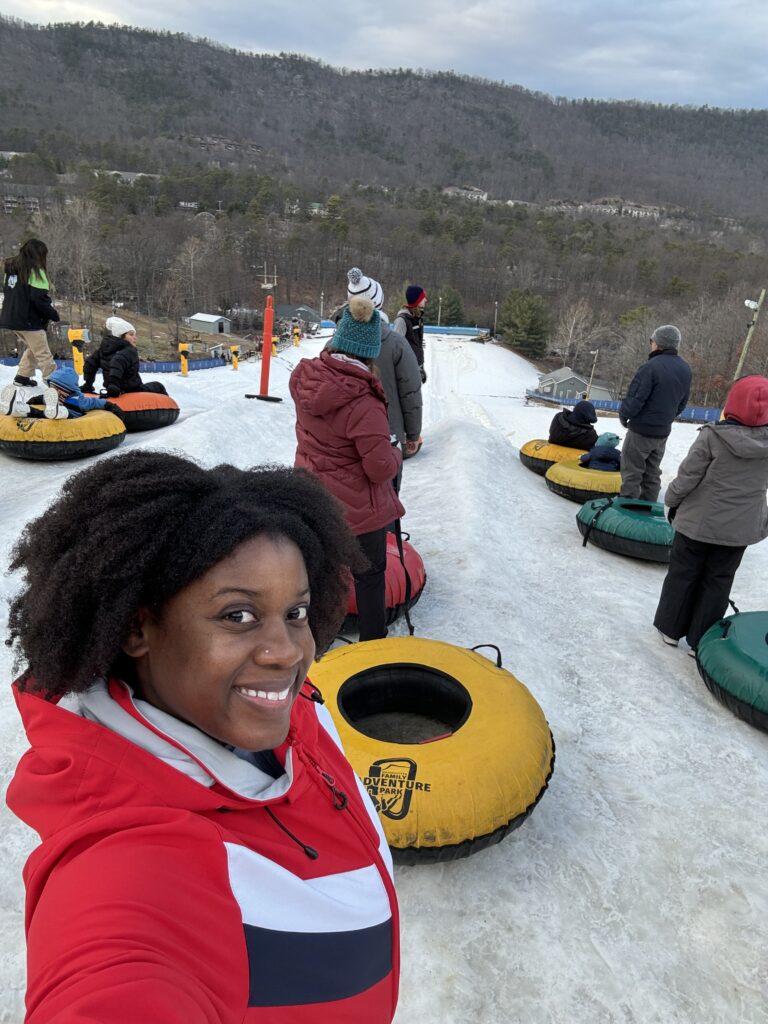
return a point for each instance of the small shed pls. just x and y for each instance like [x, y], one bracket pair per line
[567, 383]
[208, 323]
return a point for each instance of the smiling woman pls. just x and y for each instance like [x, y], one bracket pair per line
[204, 839]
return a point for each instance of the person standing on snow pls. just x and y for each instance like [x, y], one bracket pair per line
[27, 310]
[409, 322]
[397, 366]
[717, 504]
[657, 395]
[343, 437]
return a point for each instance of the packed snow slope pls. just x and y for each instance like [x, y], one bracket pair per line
[636, 893]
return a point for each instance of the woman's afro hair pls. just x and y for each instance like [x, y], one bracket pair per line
[136, 529]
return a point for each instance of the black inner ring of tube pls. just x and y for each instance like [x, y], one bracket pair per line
[404, 703]
[643, 509]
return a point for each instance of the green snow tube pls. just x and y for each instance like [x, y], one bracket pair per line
[627, 526]
[733, 661]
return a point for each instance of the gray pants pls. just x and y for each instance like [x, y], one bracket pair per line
[641, 466]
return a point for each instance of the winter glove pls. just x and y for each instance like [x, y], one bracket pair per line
[113, 391]
[423, 373]
[670, 513]
[623, 421]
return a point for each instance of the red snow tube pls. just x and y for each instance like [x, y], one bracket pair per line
[146, 410]
[394, 582]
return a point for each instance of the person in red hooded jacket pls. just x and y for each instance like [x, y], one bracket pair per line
[717, 504]
[343, 437]
[207, 854]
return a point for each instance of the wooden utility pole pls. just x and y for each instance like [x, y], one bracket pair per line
[750, 332]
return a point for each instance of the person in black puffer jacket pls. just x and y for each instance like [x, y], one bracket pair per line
[118, 360]
[574, 429]
[409, 322]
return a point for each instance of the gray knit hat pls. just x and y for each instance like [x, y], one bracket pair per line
[359, 330]
[667, 336]
[359, 284]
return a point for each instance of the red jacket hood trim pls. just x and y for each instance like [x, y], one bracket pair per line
[65, 743]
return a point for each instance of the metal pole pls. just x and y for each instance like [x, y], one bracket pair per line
[439, 308]
[592, 374]
[495, 316]
[750, 332]
[322, 299]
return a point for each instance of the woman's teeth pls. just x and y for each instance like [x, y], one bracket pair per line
[266, 694]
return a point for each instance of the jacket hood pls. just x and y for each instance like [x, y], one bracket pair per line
[583, 413]
[149, 751]
[323, 385]
[110, 344]
[744, 442]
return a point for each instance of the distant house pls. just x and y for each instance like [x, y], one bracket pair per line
[567, 383]
[471, 192]
[208, 323]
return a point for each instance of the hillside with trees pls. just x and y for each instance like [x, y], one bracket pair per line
[251, 160]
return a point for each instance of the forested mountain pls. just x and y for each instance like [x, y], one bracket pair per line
[141, 100]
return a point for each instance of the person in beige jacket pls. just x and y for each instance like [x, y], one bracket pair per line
[718, 504]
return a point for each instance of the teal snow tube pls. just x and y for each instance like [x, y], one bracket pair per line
[627, 526]
[732, 657]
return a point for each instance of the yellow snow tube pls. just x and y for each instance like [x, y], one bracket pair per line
[579, 483]
[454, 751]
[47, 440]
[539, 455]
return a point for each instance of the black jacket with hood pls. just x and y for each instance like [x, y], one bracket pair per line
[118, 361]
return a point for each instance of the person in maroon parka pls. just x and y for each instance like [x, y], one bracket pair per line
[343, 438]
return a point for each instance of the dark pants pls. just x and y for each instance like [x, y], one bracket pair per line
[696, 591]
[370, 586]
[641, 466]
[155, 387]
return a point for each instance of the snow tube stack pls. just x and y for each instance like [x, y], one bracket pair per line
[539, 455]
[732, 657]
[49, 440]
[627, 526]
[394, 582]
[578, 483]
[454, 751]
[146, 410]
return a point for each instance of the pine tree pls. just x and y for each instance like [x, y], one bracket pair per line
[524, 321]
[446, 302]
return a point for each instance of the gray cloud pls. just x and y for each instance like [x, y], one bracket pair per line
[668, 51]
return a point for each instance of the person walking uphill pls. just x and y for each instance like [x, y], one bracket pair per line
[409, 322]
[27, 311]
[206, 854]
[717, 504]
[343, 437]
[657, 395]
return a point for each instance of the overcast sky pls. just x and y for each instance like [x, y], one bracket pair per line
[668, 51]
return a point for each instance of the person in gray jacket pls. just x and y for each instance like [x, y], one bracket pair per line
[398, 370]
[718, 504]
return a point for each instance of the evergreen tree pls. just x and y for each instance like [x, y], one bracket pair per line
[450, 309]
[524, 322]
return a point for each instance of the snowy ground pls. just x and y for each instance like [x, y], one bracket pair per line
[637, 891]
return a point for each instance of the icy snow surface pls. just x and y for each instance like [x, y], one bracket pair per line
[636, 893]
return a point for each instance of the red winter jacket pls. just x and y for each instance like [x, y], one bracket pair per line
[176, 883]
[343, 438]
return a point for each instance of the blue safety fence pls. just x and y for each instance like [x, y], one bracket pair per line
[691, 414]
[472, 332]
[171, 366]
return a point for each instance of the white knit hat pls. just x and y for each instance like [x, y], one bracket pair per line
[365, 287]
[117, 327]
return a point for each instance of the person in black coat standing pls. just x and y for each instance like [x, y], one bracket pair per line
[118, 360]
[573, 428]
[657, 395]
